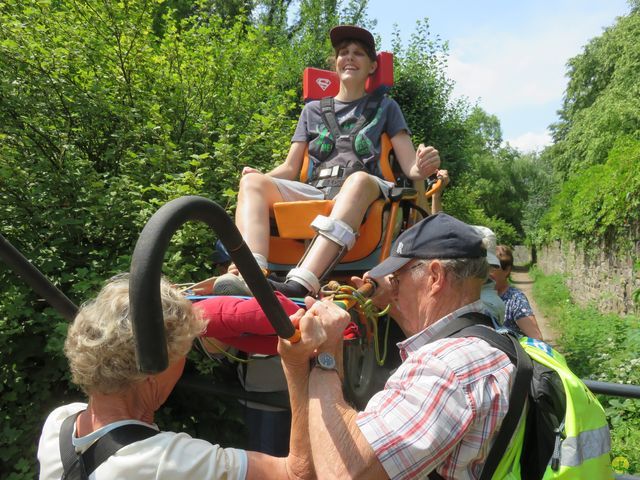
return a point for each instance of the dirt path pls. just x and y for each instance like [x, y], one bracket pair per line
[520, 279]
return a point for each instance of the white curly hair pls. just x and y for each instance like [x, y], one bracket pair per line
[100, 345]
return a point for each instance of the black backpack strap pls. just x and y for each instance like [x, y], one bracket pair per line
[79, 467]
[459, 323]
[517, 396]
[474, 324]
[72, 464]
[113, 441]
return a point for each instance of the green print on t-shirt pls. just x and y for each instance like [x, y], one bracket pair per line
[363, 144]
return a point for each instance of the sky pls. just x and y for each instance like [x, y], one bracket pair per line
[509, 56]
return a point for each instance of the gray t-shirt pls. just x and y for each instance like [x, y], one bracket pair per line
[388, 119]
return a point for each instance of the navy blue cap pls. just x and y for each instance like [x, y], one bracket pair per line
[351, 32]
[439, 236]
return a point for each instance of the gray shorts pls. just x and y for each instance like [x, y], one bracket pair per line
[294, 191]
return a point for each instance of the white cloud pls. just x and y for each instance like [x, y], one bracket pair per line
[510, 70]
[530, 141]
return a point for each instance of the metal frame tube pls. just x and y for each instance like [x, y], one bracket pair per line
[36, 280]
[614, 389]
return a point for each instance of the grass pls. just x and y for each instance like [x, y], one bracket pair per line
[602, 347]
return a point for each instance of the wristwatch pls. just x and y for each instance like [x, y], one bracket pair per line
[325, 361]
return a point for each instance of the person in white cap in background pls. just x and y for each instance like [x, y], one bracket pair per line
[488, 294]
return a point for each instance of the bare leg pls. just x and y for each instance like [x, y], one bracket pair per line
[256, 196]
[357, 193]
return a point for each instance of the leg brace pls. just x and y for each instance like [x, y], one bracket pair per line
[339, 233]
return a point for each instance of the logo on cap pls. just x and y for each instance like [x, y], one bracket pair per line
[399, 249]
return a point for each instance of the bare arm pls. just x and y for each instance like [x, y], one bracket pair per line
[298, 465]
[436, 198]
[263, 466]
[339, 448]
[290, 168]
[295, 363]
[416, 165]
[529, 326]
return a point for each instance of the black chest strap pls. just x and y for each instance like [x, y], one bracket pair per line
[475, 325]
[80, 466]
[328, 112]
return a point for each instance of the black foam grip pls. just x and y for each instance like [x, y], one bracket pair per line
[146, 270]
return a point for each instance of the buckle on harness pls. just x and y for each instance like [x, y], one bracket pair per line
[335, 171]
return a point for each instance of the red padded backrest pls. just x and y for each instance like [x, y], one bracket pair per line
[317, 83]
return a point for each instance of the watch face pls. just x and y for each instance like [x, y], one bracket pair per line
[326, 361]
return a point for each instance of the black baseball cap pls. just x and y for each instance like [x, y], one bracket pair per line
[439, 236]
[351, 32]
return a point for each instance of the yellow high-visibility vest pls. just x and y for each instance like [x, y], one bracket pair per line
[583, 450]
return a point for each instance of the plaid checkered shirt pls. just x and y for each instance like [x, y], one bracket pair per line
[442, 407]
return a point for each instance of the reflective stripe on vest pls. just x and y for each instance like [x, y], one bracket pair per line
[587, 445]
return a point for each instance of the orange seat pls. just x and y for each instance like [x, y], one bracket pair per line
[294, 219]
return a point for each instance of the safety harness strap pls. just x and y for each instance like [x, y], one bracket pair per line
[328, 112]
[343, 161]
[370, 108]
[80, 466]
[327, 108]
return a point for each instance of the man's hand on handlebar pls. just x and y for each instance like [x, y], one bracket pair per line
[312, 335]
[383, 294]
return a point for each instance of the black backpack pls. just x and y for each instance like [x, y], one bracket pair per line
[540, 384]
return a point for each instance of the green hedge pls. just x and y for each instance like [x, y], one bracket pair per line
[599, 347]
[602, 201]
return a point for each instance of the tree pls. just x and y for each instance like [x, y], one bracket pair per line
[102, 121]
[425, 95]
[599, 122]
[602, 99]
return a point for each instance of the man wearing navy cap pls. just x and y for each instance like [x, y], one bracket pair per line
[441, 409]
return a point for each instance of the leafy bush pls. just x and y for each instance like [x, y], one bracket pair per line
[599, 347]
[601, 202]
[596, 153]
[102, 122]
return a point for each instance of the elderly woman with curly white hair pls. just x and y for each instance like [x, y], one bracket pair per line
[101, 354]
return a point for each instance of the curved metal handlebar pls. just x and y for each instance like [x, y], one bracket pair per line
[437, 185]
[146, 270]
